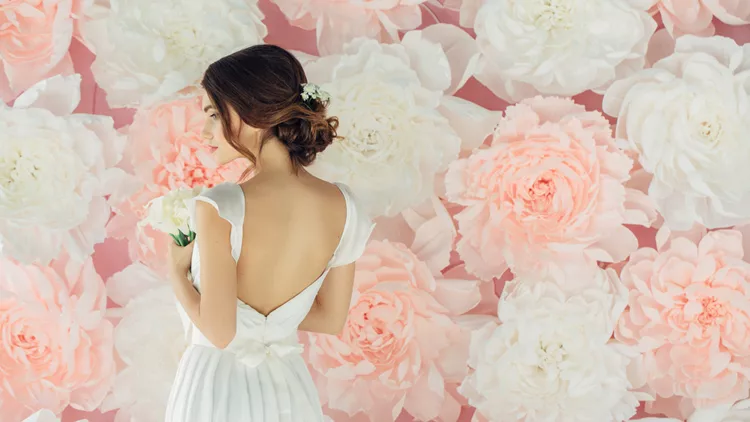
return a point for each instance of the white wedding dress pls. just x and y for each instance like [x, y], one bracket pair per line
[260, 376]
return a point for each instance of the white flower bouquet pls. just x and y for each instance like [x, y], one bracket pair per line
[170, 214]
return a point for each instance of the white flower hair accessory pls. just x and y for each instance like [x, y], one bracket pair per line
[312, 92]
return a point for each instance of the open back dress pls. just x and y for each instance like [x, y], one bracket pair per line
[260, 376]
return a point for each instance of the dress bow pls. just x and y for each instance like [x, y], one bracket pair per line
[254, 353]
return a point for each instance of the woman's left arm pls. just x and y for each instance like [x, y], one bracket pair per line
[214, 309]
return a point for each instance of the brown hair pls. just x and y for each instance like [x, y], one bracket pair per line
[263, 84]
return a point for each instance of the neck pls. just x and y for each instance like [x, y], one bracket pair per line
[274, 158]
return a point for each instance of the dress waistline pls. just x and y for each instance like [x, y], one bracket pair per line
[254, 352]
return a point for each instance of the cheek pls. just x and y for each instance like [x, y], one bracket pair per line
[218, 136]
[225, 147]
[226, 151]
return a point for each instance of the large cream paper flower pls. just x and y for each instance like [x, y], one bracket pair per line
[56, 168]
[688, 118]
[149, 352]
[551, 360]
[148, 50]
[560, 47]
[399, 123]
[738, 412]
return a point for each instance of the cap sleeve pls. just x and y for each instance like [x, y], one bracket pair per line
[357, 231]
[228, 200]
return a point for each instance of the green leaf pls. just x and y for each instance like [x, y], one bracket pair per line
[176, 239]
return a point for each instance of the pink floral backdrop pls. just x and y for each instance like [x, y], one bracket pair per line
[656, 304]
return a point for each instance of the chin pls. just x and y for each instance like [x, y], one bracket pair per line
[222, 161]
[219, 157]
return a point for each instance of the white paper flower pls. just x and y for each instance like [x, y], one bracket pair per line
[148, 50]
[688, 118]
[395, 117]
[551, 360]
[55, 170]
[170, 213]
[561, 47]
[149, 339]
[598, 290]
[738, 412]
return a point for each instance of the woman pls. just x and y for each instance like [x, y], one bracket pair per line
[274, 254]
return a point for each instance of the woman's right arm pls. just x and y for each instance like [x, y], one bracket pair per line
[331, 306]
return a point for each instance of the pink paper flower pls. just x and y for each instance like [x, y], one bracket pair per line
[166, 152]
[400, 349]
[55, 345]
[337, 22]
[689, 315]
[35, 37]
[696, 16]
[548, 189]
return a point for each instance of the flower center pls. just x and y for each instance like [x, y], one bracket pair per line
[35, 173]
[186, 40]
[713, 310]
[550, 356]
[182, 39]
[188, 173]
[552, 14]
[24, 338]
[540, 195]
[16, 167]
[710, 120]
[367, 142]
[711, 130]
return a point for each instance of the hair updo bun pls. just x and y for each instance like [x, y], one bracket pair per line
[264, 84]
[307, 136]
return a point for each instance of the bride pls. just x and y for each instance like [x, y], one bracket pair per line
[274, 254]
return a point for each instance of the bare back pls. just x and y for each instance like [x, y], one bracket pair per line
[291, 229]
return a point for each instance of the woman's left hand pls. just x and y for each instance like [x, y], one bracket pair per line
[179, 258]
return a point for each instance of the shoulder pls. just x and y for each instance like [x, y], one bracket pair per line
[224, 201]
[221, 193]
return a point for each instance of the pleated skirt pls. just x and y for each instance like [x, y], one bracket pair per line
[211, 385]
